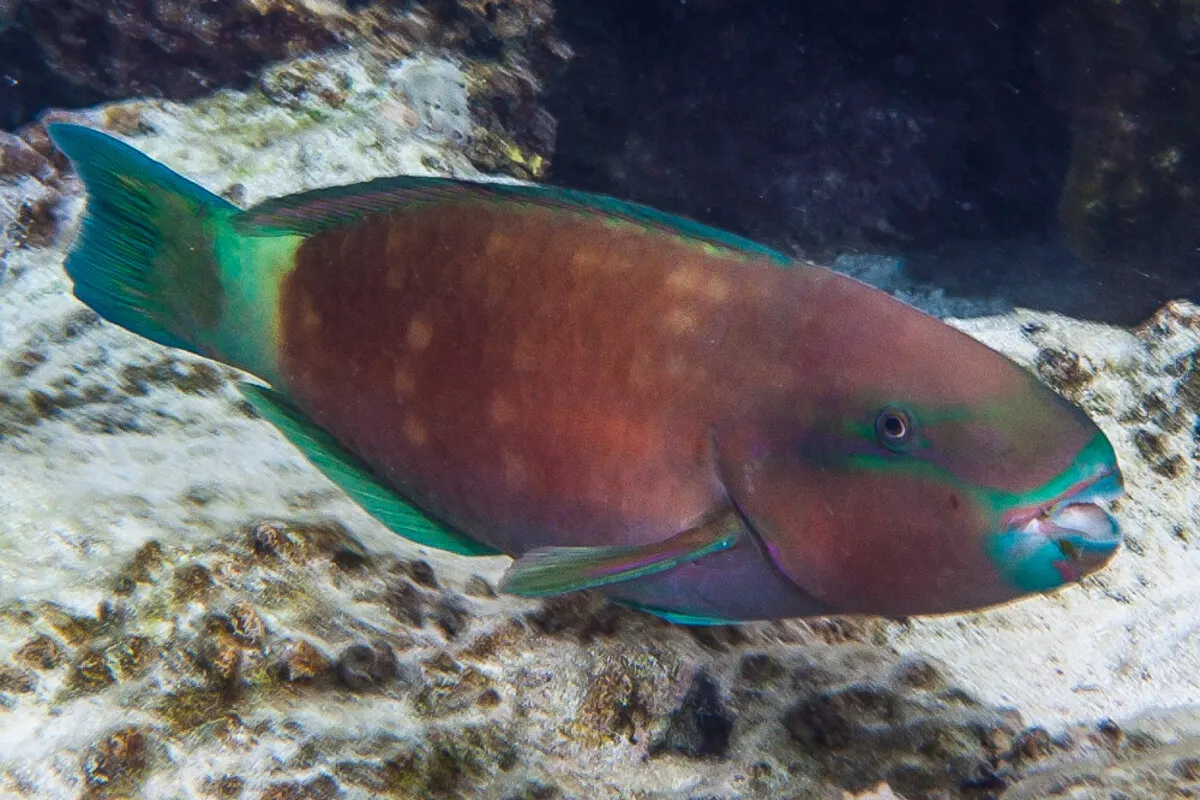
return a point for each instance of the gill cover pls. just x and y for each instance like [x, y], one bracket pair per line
[854, 538]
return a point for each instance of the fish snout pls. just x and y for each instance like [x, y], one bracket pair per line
[1086, 534]
[1059, 541]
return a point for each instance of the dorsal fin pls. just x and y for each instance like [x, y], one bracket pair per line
[314, 211]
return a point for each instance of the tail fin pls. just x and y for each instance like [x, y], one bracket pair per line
[145, 257]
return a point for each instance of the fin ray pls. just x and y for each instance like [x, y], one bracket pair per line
[676, 617]
[554, 570]
[144, 258]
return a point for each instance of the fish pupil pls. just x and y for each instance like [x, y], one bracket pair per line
[893, 428]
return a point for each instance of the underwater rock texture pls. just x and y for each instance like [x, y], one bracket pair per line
[187, 607]
[1132, 85]
[180, 49]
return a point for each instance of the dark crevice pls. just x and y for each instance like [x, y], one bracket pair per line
[940, 133]
[28, 85]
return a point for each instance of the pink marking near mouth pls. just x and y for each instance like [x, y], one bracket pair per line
[1068, 571]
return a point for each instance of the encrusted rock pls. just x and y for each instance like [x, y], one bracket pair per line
[451, 687]
[322, 787]
[192, 582]
[131, 655]
[90, 673]
[220, 656]
[15, 680]
[17, 158]
[302, 662]
[115, 765]
[246, 626]
[702, 725]
[41, 652]
[366, 666]
[908, 730]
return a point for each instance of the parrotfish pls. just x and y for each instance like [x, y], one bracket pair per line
[619, 399]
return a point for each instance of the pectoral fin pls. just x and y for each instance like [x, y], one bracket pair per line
[355, 478]
[554, 570]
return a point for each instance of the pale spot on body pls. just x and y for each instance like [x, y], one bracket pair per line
[680, 321]
[501, 411]
[415, 430]
[395, 247]
[642, 369]
[396, 277]
[586, 259]
[525, 355]
[716, 288]
[497, 287]
[685, 279]
[404, 382]
[675, 365]
[516, 475]
[420, 332]
[498, 244]
[693, 280]
[598, 490]
[310, 319]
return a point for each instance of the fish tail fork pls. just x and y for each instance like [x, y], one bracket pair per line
[146, 259]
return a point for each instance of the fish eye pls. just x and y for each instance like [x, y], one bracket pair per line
[894, 429]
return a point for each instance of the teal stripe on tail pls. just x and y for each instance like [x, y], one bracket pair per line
[145, 257]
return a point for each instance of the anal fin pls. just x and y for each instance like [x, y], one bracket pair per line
[355, 478]
[555, 570]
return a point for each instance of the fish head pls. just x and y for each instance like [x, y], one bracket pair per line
[924, 473]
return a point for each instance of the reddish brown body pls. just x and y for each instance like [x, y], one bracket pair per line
[541, 378]
[530, 376]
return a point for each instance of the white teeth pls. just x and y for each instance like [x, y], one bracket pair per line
[1086, 519]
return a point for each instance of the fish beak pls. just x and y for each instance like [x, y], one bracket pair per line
[1086, 533]
[1078, 523]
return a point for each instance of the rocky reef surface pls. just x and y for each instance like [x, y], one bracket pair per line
[188, 609]
[80, 53]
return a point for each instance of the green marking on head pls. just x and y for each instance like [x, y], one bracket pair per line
[1027, 546]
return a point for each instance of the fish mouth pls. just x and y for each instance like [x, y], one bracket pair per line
[1077, 522]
